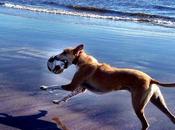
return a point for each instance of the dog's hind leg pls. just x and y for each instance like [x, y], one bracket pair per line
[140, 99]
[158, 100]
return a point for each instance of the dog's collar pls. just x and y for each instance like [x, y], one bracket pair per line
[75, 61]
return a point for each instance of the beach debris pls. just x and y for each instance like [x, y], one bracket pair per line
[59, 123]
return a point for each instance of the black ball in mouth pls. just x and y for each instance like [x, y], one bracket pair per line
[50, 61]
[54, 68]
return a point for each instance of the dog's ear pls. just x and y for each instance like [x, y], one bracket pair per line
[78, 48]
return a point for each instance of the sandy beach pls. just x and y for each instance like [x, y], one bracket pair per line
[28, 39]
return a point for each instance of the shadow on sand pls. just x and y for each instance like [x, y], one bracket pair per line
[28, 122]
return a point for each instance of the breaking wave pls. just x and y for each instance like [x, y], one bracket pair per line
[99, 13]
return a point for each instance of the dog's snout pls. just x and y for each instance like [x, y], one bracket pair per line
[56, 58]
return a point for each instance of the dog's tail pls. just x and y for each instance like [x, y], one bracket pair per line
[162, 84]
[58, 122]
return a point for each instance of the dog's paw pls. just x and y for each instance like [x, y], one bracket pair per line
[43, 87]
[56, 101]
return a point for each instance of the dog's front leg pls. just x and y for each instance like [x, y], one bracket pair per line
[77, 91]
[68, 87]
[80, 76]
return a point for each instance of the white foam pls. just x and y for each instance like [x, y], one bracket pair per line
[56, 11]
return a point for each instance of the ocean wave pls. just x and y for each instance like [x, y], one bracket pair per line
[118, 13]
[163, 7]
[90, 8]
[1, 3]
[50, 3]
[100, 13]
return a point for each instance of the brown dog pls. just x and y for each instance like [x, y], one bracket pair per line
[102, 78]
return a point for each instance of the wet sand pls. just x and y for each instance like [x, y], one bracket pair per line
[26, 42]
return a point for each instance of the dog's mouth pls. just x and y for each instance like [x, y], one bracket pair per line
[58, 70]
[66, 63]
[57, 66]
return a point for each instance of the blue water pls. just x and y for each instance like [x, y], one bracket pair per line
[157, 12]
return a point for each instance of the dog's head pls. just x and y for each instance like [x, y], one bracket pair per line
[70, 55]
